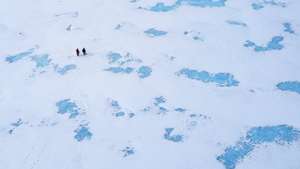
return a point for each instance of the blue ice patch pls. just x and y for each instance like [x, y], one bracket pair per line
[257, 6]
[162, 7]
[280, 134]
[197, 38]
[117, 110]
[129, 60]
[82, 133]
[175, 138]
[144, 71]
[146, 109]
[263, 3]
[152, 32]
[288, 28]
[126, 70]
[114, 57]
[115, 104]
[128, 151]
[179, 109]
[19, 56]
[221, 79]
[274, 44]
[119, 114]
[67, 107]
[131, 115]
[292, 86]
[41, 60]
[234, 154]
[204, 3]
[65, 69]
[162, 110]
[121, 60]
[159, 100]
[193, 115]
[238, 23]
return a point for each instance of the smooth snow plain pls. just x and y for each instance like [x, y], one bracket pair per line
[166, 84]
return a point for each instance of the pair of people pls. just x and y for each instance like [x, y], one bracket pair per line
[78, 52]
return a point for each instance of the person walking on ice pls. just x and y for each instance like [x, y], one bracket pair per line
[84, 51]
[77, 52]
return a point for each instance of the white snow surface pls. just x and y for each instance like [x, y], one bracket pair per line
[45, 138]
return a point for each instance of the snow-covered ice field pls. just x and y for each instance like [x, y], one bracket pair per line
[166, 84]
